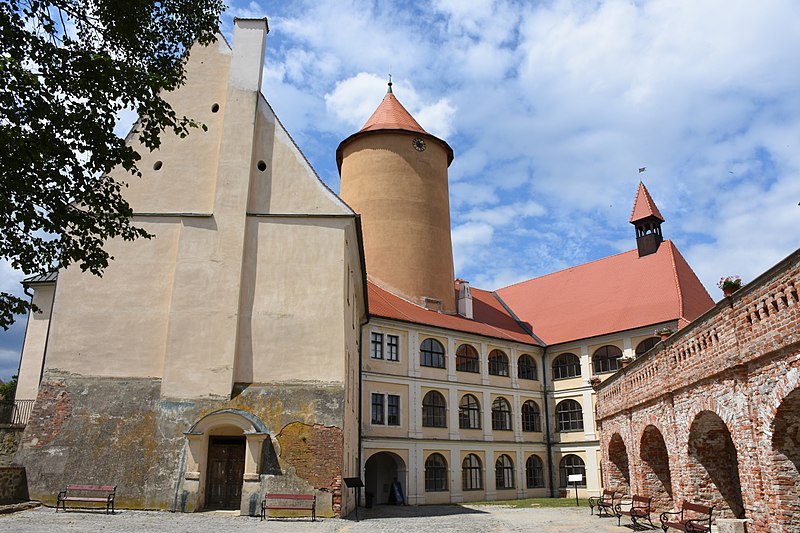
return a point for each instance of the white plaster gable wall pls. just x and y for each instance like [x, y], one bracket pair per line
[186, 179]
[287, 184]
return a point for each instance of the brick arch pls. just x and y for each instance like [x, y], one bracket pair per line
[619, 476]
[784, 386]
[654, 476]
[712, 464]
[784, 484]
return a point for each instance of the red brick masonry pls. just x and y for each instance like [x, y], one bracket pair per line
[712, 415]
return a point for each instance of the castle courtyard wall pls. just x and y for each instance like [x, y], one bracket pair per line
[724, 394]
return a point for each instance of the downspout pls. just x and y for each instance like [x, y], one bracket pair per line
[548, 439]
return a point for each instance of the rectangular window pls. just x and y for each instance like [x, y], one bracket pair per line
[392, 348]
[377, 408]
[376, 346]
[393, 410]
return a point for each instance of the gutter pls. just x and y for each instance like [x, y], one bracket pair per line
[548, 440]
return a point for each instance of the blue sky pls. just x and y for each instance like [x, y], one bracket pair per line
[551, 108]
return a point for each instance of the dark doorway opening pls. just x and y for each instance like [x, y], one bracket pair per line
[225, 472]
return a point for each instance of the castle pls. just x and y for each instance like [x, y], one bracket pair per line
[274, 336]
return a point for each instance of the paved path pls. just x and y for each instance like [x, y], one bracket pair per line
[436, 518]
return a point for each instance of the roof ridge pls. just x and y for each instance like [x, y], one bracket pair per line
[565, 269]
[679, 292]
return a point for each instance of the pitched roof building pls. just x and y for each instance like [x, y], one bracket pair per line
[232, 339]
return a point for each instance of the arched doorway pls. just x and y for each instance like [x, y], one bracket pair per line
[786, 463]
[656, 479]
[380, 471]
[223, 462]
[225, 472]
[713, 465]
[619, 476]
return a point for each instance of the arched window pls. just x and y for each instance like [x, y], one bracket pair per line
[472, 473]
[467, 359]
[570, 416]
[571, 464]
[606, 359]
[501, 414]
[566, 365]
[531, 417]
[534, 472]
[431, 353]
[435, 473]
[504, 472]
[434, 410]
[498, 363]
[646, 345]
[469, 412]
[526, 367]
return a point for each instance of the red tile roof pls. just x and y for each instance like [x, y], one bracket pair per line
[617, 293]
[644, 206]
[391, 115]
[490, 318]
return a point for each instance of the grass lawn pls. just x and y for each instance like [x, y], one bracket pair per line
[536, 502]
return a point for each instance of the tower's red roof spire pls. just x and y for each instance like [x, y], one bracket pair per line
[644, 206]
[391, 115]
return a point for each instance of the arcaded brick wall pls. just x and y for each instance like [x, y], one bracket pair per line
[713, 414]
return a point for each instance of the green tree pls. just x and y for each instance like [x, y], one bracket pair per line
[8, 389]
[67, 69]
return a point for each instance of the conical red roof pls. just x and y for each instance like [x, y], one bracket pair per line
[391, 115]
[644, 206]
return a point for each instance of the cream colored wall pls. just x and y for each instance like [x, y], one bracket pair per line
[292, 323]
[33, 352]
[288, 184]
[384, 430]
[116, 325]
[225, 297]
[188, 172]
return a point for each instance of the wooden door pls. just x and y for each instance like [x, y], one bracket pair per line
[225, 472]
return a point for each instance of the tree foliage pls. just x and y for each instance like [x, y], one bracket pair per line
[8, 389]
[67, 69]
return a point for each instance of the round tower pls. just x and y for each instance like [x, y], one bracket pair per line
[394, 174]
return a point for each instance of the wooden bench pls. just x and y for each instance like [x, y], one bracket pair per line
[289, 502]
[604, 503]
[639, 508]
[87, 493]
[692, 518]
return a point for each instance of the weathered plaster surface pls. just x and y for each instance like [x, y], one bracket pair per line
[121, 432]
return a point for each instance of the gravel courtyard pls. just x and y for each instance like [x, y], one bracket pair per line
[438, 518]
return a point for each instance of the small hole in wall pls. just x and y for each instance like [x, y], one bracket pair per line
[157, 165]
[261, 166]
[215, 108]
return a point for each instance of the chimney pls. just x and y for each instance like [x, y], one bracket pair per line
[464, 298]
[247, 61]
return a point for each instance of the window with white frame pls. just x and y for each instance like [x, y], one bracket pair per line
[534, 472]
[569, 416]
[469, 412]
[392, 348]
[392, 410]
[377, 408]
[471, 473]
[376, 346]
[384, 346]
[385, 409]
[504, 472]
